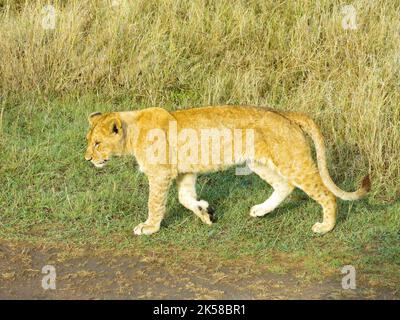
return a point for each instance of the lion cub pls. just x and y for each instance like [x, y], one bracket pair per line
[181, 144]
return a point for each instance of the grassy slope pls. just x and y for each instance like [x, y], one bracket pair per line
[50, 194]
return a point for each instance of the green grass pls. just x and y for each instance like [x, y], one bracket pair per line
[292, 55]
[49, 193]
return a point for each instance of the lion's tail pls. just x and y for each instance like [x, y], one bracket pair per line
[309, 126]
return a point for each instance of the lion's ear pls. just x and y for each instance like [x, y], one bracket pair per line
[93, 117]
[115, 126]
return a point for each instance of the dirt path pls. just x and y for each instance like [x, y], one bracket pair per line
[90, 274]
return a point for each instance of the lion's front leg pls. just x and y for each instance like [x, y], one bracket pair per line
[158, 191]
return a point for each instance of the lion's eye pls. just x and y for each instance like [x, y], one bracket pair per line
[96, 144]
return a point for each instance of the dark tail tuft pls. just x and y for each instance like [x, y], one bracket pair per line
[366, 183]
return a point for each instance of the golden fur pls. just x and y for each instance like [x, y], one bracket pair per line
[281, 155]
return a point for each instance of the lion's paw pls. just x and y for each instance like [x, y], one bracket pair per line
[322, 228]
[258, 210]
[206, 212]
[144, 228]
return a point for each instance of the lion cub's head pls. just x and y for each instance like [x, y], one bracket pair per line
[105, 138]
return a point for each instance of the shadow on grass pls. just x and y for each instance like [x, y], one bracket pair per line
[248, 190]
[216, 188]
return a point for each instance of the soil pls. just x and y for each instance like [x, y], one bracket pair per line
[87, 273]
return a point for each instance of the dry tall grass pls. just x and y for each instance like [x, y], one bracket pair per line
[290, 54]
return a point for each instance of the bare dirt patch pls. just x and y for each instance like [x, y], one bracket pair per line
[102, 274]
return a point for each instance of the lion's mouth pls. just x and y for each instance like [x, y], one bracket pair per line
[100, 164]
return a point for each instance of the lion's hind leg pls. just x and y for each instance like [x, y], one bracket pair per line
[188, 198]
[282, 188]
[309, 180]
